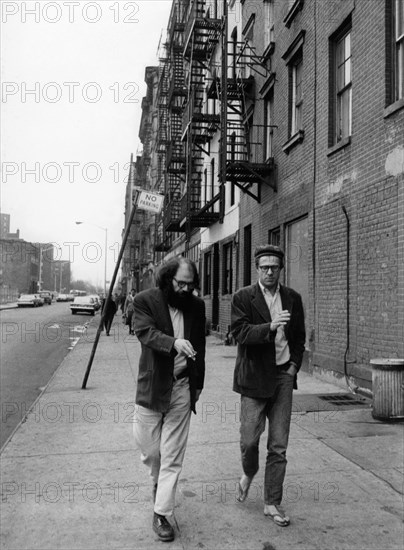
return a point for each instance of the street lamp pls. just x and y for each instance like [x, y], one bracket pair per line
[106, 244]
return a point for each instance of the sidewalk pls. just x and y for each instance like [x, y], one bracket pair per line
[9, 305]
[72, 479]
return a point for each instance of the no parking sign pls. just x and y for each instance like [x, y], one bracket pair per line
[150, 201]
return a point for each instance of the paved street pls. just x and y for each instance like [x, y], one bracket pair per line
[34, 341]
[72, 478]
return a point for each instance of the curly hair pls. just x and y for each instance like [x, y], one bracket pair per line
[168, 269]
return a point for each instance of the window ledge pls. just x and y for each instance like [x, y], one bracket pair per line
[393, 108]
[339, 145]
[268, 85]
[249, 25]
[296, 7]
[269, 50]
[293, 141]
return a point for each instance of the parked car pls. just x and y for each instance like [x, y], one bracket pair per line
[29, 300]
[70, 297]
[62, 298]
[97, 301]
[83, 304]
[46, 296]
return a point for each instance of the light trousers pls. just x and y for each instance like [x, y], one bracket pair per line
[162, 440]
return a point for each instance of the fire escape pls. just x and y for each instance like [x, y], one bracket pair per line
[175, 153]
[161, 239]
[242, 158]
[202, 34]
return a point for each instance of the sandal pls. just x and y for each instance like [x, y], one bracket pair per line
[242, 494]
[278, 517]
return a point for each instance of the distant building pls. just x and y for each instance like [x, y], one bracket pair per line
[5, 228]
[61, 281]
[19, 265]
[4, 225]
[28, 267]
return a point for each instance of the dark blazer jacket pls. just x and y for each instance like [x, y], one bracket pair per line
[255, 369]
[153, 327]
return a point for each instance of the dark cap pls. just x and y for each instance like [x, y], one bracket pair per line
[268, 250]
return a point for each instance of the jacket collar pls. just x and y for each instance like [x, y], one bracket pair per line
[258, 301]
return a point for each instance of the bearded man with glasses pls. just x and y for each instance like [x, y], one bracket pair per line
[170, 324]
[267, 321]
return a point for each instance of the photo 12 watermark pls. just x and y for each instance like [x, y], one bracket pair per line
[69, 92]
[70, 12]
[68, 172]
[52, 492]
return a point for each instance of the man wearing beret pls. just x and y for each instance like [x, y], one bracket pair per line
[267, 321]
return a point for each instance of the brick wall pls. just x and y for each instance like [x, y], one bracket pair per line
[353, 195]
[19, 265]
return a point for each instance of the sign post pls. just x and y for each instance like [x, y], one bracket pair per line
[152, 202]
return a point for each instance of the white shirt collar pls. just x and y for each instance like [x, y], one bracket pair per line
[266, 291]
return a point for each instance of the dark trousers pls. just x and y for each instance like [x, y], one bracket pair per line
[253, 415]
[108, 323]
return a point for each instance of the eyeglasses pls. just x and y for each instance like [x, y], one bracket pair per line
[266, 268]
[183, 284]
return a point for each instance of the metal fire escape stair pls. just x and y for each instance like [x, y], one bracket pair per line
[198, 127]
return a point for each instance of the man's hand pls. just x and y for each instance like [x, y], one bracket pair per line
[280, 319]
[184, 347]
[292, 370]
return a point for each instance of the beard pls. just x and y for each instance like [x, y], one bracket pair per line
[180, 300]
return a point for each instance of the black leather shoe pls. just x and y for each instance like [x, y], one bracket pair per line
[162, 528]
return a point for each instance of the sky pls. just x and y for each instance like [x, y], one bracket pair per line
[72, 85]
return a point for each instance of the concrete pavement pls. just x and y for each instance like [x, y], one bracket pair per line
[9, 305]
[72, 478]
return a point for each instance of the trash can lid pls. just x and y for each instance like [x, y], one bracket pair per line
[387, 363]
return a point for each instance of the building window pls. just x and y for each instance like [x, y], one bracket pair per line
[247, 255]
[251, 147]
[296, 100]
[212, 178]
[233, 62]
[269, 125]
[227, 269]
[397, 62]
[232, 194]
[341, 85]
[344, 87]
[274, 236]
[294, 59]
[211, 11]
[207, 273]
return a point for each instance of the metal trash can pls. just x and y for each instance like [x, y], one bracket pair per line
[388, 389]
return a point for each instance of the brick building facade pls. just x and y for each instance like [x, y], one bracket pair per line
[292, 133]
